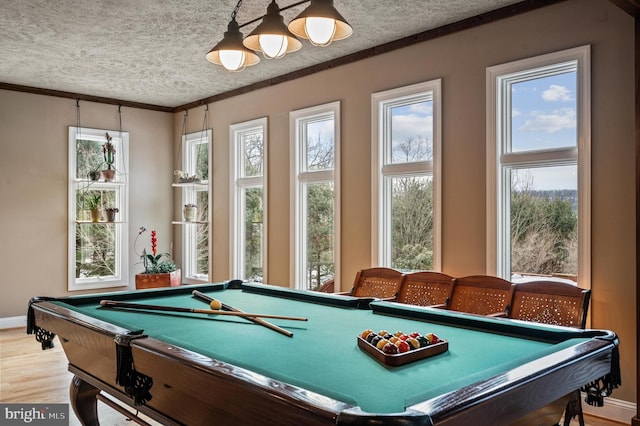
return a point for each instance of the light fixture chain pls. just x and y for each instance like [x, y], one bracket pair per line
[78, 119]
[182, 139]
[122, 164]
[236, 9]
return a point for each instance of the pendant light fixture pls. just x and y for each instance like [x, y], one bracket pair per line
[272, 37]
[320, 23]
[230, 52]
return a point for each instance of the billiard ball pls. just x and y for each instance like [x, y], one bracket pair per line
[402, 346]
[215, 305]
[413, 343]
[432, 338]
[375, 340]
[365, 333]
[423, 341]
[390, 349]
[381, 343]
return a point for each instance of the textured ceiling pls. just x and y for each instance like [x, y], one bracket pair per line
[152, 51]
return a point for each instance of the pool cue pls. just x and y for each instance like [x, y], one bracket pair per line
[127, 305]
[205, 298]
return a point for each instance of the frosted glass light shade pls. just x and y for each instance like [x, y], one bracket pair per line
[317, 21]
[320, 31]
[273, 46]
[230, 52]
[272, 37]
[233, 60]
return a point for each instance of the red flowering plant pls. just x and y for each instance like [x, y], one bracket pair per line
[153, 263]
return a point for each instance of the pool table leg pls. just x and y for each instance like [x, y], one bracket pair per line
[83, 401]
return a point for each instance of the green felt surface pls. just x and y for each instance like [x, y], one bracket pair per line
[323, 355]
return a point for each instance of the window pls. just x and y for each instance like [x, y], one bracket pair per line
[195, 235]
[538, 159]
[98, 245]
[406, 177]
[248, 212]
[315, 147]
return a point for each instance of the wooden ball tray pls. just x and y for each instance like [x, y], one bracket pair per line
[403, 358]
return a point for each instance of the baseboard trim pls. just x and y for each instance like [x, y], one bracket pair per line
[613, 409]
[13, 322]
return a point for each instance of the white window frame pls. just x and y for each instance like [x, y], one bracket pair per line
[499, 160]
[238, 185]
[120, 186]
[381, 102]
[299, 178]
[189, 191]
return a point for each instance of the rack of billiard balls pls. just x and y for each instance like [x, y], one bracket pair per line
[400, 348]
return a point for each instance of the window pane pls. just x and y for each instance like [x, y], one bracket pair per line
[544, 220]
[202, 160]
[95, 250]
[252, 152]
[543, 113]
[412, 222]
[319, 145]
[88, 199]
[202, 234]
[320, 234]
[88, 157]
[412, 132]
[253, 234]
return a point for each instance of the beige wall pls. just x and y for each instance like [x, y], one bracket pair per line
[33, 188]
[460, 60]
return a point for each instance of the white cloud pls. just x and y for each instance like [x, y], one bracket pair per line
[557, 93]
[411, 126]
[425, 108]
[554, 121]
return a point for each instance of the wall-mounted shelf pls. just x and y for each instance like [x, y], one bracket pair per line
[101, 222]
[183, 184]
[185, 222]
[99, 182]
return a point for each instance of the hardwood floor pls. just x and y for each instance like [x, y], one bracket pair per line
[31, 375]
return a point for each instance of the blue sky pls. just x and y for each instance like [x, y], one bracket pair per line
[544, 113]
[544, 117]
[412, 121]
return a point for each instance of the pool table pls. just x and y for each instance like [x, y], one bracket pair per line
[198, 369]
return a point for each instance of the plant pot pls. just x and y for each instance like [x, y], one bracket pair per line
[95, 215]
[94, 175]
[108, 175]
[111, 215]
[170, 279]
[190, 213]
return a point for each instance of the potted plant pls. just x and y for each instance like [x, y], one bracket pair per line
[111, 213]
[109, 154]
[92, 202]
[184, 177]
[94, 172]
[158, 271]
[190, 212]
